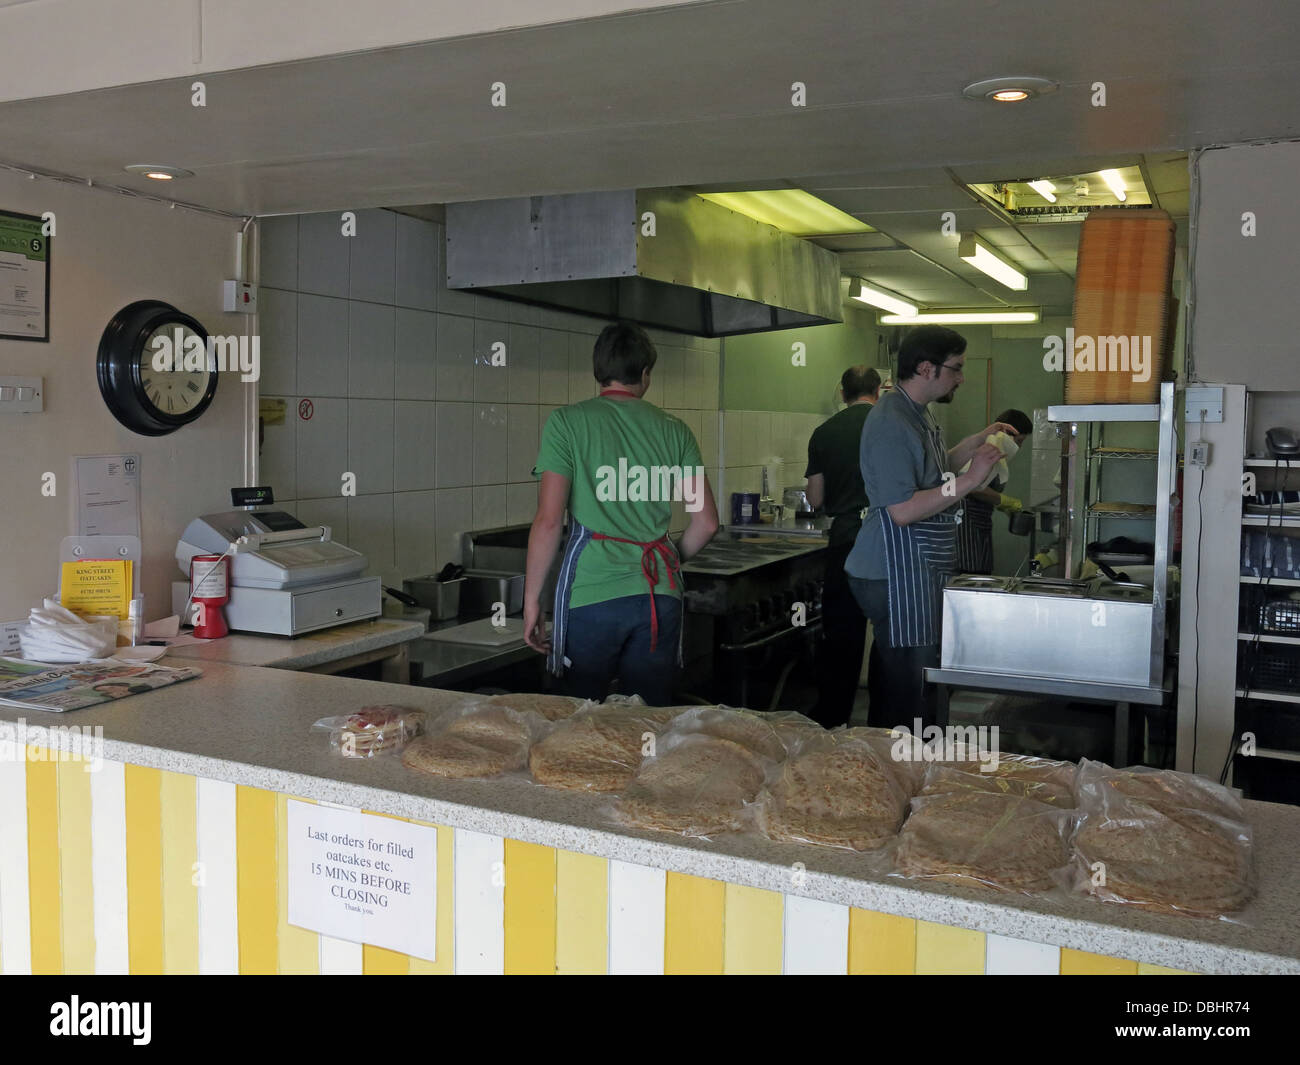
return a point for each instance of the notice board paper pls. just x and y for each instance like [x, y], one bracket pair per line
[363, 878]
[24, 277]
[108, 495]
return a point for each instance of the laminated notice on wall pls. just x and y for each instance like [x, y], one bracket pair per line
[363, 878]
[108, 495]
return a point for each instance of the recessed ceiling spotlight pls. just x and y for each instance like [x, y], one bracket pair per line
[1009, 90]
[158, 173]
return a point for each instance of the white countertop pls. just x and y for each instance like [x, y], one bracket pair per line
[302, 652]
[252, 726]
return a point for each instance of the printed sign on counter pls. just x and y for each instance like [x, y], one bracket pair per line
[363, 878]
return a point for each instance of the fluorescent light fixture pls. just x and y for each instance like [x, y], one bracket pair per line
[1116, 183]
[885, 300]
[974, 251]
[962, 317]
[793, 211]
[1045, 189]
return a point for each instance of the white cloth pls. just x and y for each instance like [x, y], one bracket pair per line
[55, 634]
[1000, 472]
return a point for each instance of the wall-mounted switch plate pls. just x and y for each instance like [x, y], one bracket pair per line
[238, 297]
[22, 395]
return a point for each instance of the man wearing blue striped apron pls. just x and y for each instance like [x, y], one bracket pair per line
[616, 463]
[907, 546]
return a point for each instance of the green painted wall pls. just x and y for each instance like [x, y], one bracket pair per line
[759, 374]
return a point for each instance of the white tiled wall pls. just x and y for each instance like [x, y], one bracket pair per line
[404, 394]
[753, 439]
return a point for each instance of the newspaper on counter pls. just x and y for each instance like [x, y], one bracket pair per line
[39, 686]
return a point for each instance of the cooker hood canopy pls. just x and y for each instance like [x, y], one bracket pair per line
[662, 257]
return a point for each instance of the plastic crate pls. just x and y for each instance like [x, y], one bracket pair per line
[1270, 667]
[1280, 617]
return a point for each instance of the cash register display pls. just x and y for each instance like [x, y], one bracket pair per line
[277, 520]
[236, 523]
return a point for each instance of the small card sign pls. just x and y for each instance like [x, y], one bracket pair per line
[363, 878]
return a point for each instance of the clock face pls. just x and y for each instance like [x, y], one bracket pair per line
[153, 368]
[167, 385]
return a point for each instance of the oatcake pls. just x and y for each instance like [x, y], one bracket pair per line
[837, 791]
[1022, 767]
[596, 751]
[982, 839]
[375, 729]
[904, 752]
[1168, 842]
[551, 707]
[699, 785]
[766, 735]
[1155, 863]
[943, 778]
[446, 755]
[483, 742]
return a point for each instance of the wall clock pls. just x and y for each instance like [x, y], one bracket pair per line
[144, 398]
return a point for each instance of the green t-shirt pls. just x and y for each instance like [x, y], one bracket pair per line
[623, 459]
[833, 452]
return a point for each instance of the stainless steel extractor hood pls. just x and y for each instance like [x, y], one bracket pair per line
[663, 257]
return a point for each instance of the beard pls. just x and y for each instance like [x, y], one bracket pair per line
[948, 398]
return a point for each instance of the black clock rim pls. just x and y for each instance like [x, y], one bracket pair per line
[119, 376]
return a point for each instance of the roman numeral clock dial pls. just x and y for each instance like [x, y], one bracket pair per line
[153, 367]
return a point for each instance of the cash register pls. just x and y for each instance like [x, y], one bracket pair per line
[286, 578]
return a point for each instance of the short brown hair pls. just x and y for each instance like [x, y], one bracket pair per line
[859, 381]
[622, 353]
[927, 343]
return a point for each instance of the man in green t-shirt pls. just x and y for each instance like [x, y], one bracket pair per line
[835, 485]
[616, 463]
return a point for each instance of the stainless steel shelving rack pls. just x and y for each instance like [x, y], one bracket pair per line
[1079, 480]
[1156, 692]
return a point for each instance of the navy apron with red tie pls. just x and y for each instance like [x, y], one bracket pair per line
[651, 552]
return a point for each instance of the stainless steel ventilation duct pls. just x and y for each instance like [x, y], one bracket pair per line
[663, 257]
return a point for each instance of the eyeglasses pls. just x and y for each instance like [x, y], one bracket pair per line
[954, 369]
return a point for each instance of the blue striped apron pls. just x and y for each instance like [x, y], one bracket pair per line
[919, 557]
[975, 538]
[579, 537]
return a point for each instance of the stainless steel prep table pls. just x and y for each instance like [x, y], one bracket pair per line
[444, 664]
[1121, 696]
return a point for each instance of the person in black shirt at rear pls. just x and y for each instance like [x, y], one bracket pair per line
[835, 484]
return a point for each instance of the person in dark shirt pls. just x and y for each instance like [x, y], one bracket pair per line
[975, 533]
[835, 485]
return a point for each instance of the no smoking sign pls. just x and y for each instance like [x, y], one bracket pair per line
[306, 409]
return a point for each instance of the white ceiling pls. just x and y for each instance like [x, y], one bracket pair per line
[700, 94]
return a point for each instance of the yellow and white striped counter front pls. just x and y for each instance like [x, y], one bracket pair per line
[138, 870]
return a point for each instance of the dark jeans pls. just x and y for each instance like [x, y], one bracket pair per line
[612, 640]
[896, 683]
[839, 651]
